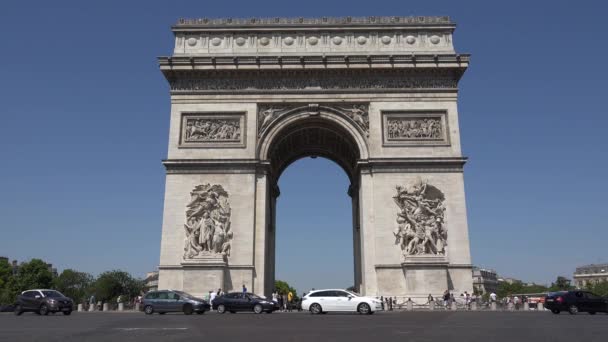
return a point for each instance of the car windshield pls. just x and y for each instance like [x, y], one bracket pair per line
[52, 294]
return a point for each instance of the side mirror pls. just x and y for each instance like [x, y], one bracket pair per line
[37, 297]
[350, 297]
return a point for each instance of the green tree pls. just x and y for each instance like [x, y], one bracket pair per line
[74, 284]
[34, 274]
[561, 284]
[600, 289]
[8, 290]
[282, 287]
[109, 285]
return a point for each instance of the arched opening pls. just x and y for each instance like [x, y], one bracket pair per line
[325, 135]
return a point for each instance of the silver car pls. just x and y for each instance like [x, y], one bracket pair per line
[164, 301]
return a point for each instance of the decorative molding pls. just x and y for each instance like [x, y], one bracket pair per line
[421, 223]
[319, 80]
[323, 21]
[358, 113]
[208, 233]
[218, 129]
[415, 128]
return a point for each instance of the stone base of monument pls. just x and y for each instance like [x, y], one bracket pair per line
[425, 274]
[203, 273]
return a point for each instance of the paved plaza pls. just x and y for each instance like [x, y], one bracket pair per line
[383, 326]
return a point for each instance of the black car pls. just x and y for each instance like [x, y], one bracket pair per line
[576, 301]
[239, 301]
[42, 302]
[164, 301]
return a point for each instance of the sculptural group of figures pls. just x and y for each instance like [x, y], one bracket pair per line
[357, 112]
[212, 130]
[411, 129]
[421, 221]
[208, 222]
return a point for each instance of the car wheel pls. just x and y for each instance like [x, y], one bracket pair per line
[44, 310]
[258, 309]
[315, 309]
[18, 310]
[555, 311]
[149, 310]
[221, 309]
[364, 308]
[188, 309]
[67, 313]
[573, 310]
[592, 312]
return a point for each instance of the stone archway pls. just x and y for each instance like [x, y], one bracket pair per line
[377, 95]
[324, 130]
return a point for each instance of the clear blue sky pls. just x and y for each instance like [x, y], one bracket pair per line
[85, 114]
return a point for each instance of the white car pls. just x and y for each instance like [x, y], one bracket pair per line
[323, 301]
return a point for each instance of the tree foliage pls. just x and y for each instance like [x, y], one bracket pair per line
[282, 287]
[561, 284]
[34, 274]
[109, 285]
[505, 289]
[74, 284]
[8, 289]
[600, 289]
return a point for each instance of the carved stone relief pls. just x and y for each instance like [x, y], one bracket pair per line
[212, 129]
[421, 223]
[415, 128]
[313, 81]
[207, 226]
[268, 113]
[421, 128]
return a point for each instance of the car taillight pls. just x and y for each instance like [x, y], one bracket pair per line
[559, 299]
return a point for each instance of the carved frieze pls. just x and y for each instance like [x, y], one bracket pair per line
[312, 81]
[414, 128]
[212, 129]
[421, 222]
[270, 112]
[208, 231]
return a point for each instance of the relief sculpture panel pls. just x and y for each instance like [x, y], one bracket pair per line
[421, 222]
[207, 226]
[208, 130]
[415, 128]
[358, 113]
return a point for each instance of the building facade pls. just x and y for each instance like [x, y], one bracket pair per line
[484, 280]
[590, 274]
[377, 95]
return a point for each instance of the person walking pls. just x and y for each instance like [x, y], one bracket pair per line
[244, 288]
[285, 302]
[274, 296]
[289, 300]
[280, 299]
[493, 297]
[212, 296]
[446, 298]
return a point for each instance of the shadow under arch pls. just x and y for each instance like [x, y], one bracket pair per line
[322, 132]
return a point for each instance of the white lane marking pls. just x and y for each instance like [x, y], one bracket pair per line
[132, 329]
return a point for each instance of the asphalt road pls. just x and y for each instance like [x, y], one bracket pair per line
[382, 326]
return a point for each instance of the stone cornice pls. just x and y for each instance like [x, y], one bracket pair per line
[296, 62]
[323, 22]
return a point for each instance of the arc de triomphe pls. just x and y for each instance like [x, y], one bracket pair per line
[377, 95]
